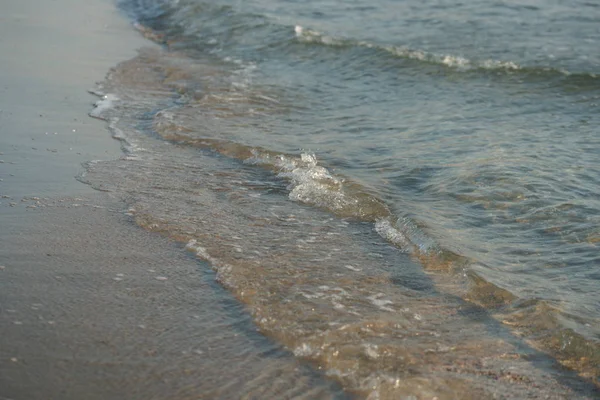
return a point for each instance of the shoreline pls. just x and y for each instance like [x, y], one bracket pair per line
[52, 54]
[91, 305]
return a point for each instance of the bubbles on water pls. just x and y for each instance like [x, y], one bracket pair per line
[303, 350]
[382, 304]
[106, 102]
[371, 351]
[313, 184]
[452, 61]
[386, 230]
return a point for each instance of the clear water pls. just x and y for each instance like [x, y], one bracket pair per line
[379, 157]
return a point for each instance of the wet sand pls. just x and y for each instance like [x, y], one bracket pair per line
[51, 53]
[91, 306]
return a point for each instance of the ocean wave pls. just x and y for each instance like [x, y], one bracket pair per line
[457, 62]
[180, 21]
[451, 61]
[309, 181]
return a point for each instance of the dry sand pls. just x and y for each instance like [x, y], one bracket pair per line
[91, 306]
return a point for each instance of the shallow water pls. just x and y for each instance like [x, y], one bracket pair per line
[358, 172]
[161, 327]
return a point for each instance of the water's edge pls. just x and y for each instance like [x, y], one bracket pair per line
[534, 321]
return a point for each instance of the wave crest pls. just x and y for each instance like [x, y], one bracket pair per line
[451, 61]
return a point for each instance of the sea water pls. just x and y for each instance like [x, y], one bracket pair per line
[405, 194]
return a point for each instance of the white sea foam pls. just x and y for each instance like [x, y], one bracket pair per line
[107, 102]
[304, 350]
[386, 230]
[200, 251]
[223, 269]
[382, 304]
[309, 182]
[371, 351]
[102, 110]
[451, 61]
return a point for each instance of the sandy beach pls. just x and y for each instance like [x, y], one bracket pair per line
[219, 260]
[52, 53]
[91, 306]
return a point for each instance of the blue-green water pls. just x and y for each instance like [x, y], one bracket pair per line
[464, 134]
